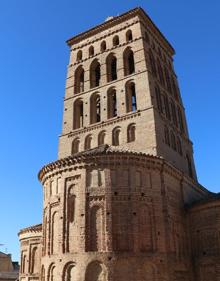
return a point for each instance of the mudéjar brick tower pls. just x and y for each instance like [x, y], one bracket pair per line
[122, 202]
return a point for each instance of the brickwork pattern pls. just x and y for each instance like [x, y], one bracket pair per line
[122, 201]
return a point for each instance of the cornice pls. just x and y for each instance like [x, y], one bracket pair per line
[33, 228]
[117, 20]
[109, 156]
[97, 155]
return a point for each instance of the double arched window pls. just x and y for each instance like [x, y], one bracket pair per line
[131, 103]
[78, 114]
[79, 80]
[95, 108]
[172, 140]
[95, 74]
[111, 64]
[112, 103]
[128, 57]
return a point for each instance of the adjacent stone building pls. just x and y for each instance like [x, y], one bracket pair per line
[122, 202]
[9, 270]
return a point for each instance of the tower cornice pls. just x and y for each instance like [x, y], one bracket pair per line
[117, 20]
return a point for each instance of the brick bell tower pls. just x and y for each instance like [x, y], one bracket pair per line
[122, 90]
[114, 200]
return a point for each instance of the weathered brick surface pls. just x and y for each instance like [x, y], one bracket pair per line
[119, 204]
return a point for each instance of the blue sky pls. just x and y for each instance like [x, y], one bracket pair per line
[33, 60]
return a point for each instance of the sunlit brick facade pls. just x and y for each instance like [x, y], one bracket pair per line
[122, 202]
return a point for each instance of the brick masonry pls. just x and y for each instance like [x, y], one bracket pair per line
[122, 201]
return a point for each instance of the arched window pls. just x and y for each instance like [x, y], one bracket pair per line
[159, 52]
[69, 272]
[145, 229]
[79, 80]
[96, 272]
[131, 102]
[180, 117]
[175, 90]
[111, 63]
[44, 250]
[88, 142]
[95, 108]
[75, 146]
[91, 51]
[160, 72]
[103, 46]
[112, 103]
[173, 140]
[167, 107]
[189, 163]
[168, 83]
[34, 261]
[95, 74]
[115, 40]
[23, 263]
[78, 114]
[54, 233]
[51, 273]
[96, 241]
[158, 98]
[129, 36]
[167, 135]
[79, 55]
[174, 117]
[129, 66]
[101, 138]
[71, 202]
[179, 146]
[148, 271]
[43, 273]
[131, 133]
[116, 134]
[146, 37]
[152, 63]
